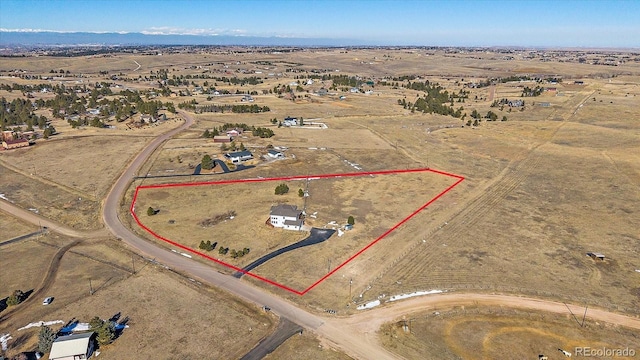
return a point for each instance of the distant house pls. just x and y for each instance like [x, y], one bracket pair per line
[286, 216]
[290, 121]
[275, 154]
[73, 347]
[595, 255]
[354, 90]
[233, 133]
[551, 89]
[240, 156]
[545, 104]
[578, 82]
[248, 98]
[222, 139]
[516, 103]
[323, 91]
[15, 144]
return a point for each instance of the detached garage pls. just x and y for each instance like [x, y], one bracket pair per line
[73, 347]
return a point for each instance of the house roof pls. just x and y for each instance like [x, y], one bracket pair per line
[239, 154]
[293, 222]
[16, 141]
[70, 345]
[274, 152]
[285, 210]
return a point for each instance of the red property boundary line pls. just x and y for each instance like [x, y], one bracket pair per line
[289, 178]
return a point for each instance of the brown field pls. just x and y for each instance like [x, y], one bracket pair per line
[541, 190]
[12, 227]
[498, 333]
[306, 346]
[162, 309]
[377, 203]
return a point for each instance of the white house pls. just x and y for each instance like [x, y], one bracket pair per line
[290, 121]
[72, 347]
[275, 154]
[240, 156]
[286, 216]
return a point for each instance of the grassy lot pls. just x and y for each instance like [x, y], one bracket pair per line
[12, 227]
[495, 333]
[162, 309]
[377, 203]
[306, 346]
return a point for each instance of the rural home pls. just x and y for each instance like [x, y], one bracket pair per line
[290, 121]
[73, 347]
[275, 154]
[240, 156]
[234, 132]
[286, 216]
[14, 144]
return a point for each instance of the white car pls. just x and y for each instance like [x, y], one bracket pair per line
[47, 300]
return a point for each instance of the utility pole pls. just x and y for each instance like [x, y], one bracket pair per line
[133, 264]
[90, 288]
[328, 265]
[350, 282]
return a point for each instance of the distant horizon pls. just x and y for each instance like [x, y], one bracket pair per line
[455, 23]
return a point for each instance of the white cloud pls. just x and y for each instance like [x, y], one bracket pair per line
[168, 30]
[59, 31]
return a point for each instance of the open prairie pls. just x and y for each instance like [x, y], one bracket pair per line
[498, 333]
[558, 178]
[93, 278]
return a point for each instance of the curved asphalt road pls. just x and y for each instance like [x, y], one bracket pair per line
[315, 237]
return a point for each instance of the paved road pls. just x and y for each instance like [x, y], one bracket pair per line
[315, 237]
[285, 330]
[355, 335]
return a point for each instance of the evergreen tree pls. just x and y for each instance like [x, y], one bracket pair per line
[206, 163]
[45, 339]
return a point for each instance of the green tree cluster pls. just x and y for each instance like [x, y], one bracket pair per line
[282, 189]
[208, 246]
[105, 330]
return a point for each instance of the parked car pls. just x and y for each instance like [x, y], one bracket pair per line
[47, 300]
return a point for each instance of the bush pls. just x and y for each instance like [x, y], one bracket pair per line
[300, 192]
[151, 211]
[351, 221]
[15, 298]
[282, 189]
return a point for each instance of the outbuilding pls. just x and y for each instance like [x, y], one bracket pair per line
[73, 347]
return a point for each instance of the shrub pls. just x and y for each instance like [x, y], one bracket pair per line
[351, 220]
[282, 189]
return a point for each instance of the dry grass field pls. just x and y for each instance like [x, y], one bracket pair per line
[12, 227]
[541, 190]
[163, 308]
[306, 346]
[499, 333]
[376, 202]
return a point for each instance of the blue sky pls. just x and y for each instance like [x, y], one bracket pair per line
[585, 23]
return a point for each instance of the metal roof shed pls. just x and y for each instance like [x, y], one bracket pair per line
[72, 347]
